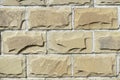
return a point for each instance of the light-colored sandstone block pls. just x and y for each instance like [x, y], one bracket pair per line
[96, 65]
[96, 18]
[112, 78]
[66, 2]
[12, 66]
[22, 79]
[66, 79]
[23, 2]
[49, 66]
[49, 18]
[23, 42]
[12, 18]
[107, 41]
[92, 78]
[104, 2]
[69, 42]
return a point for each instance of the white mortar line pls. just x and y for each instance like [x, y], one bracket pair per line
[26, 69]
[119, 18]
[117, 64]
[26, 18]
[94, 3]
[27, 66]
[1, 44]
[72, 17]
[93, 41]
[46, 42]
[72, 64]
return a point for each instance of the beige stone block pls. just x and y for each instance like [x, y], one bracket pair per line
[22, 79]
[12, 66]
[108, 2]
[66, 2]
[95, 65]
[17, 42]
[67, 79]
[49, 18]
[107, 41]
[112, 78]
[49, 66]
[91, 78]
[69, 42]
[96, 18]
[12, 18]
[23, 2]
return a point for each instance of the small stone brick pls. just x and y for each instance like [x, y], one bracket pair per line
[12, 18]
[67, 2]
[98, 65]
[22, 79]
[69, 42]
[23, 2]
[107, 2]
[49, 66]
[23, 42]
[107, 41]
[83, 78]
[96, 18]
[67, 79]
[49, 18]
[12, 66]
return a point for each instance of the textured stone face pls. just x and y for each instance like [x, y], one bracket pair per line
[96, 18]
[67, 79]
[99, 65]
[107, 42]
[49, 66]
[79, 2]
[24, 42]
[49, 18]
[82, 78]
[22, 79]
[12, 18]
[12, 66]
[24, 2]
[106, 79]
[69, 42]
[107, 2]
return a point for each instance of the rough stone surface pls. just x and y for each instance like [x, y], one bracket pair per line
[92, 78]
[69, 42]
[49, 18]
[23, 42]
[49, 66]
[96, 18]
[65, 2]
[106, 78]
[107, 41]
[22, 79]
[24, 2]
[12, 66]
[103, 2]
[66, 79]
[12, 18]
[99, 65]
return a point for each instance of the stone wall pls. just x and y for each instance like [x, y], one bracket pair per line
[60, 40]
